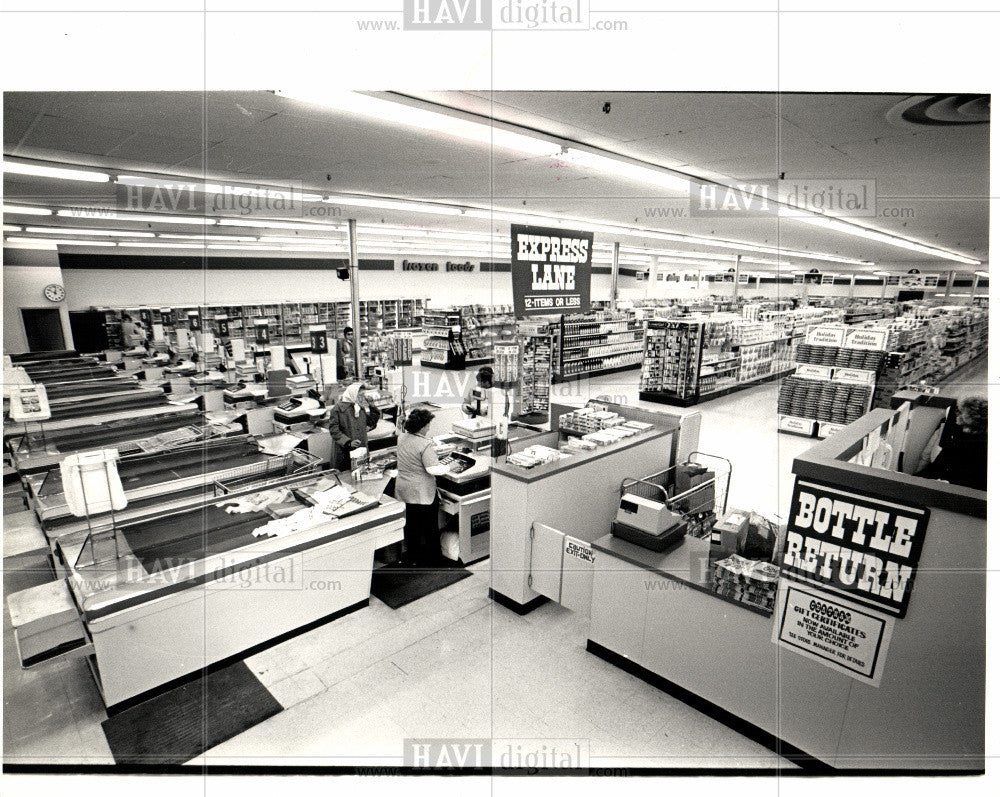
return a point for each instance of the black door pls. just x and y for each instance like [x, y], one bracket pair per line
[44, 329]
[89, 331]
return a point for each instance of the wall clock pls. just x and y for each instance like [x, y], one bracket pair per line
[54, 292]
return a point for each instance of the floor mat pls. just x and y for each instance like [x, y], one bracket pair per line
[188, 720]
[397, 586]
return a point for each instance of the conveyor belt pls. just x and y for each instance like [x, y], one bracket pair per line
[187, 537]
[91, 388]
[107, 435]
[37, 356]
[73, 374]
[107, 405]
[143, 470]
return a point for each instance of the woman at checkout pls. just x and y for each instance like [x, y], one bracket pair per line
[350, 421]
[415, 486]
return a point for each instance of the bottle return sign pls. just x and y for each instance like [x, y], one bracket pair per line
[866, 548]
[550, 269]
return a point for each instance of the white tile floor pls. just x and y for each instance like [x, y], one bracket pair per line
[453, 664]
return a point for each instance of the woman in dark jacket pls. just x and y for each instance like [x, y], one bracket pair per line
[350, 421]
[962, 448]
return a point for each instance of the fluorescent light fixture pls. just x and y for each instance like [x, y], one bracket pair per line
[37, 170]
[11, 228]
[626, 169]
[112, 215]
[279, 225]
[291, 239]
[158, 245]
[482, 132]
[881, 273]
[982, 273]
[62, 241]
[27, 210]
[860, 231]
[394, 204]
[37, 243]
[189, 236]
[76, 231]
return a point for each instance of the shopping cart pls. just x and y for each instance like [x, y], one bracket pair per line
[701, 503]
[260, 474]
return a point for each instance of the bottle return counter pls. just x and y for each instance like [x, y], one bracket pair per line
[151, 601]
[871, 656]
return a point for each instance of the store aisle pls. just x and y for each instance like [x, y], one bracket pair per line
[973, 380]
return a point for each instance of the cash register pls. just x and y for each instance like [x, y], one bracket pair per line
[648, 523]
[300, 409]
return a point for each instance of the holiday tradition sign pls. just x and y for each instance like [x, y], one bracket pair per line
[550, 269]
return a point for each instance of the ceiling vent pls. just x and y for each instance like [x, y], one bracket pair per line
[941, 110]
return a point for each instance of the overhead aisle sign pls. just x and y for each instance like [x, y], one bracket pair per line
[550, 269]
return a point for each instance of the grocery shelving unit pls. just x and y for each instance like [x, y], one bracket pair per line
[482, 326]
[586, 344]
[287, 322]
[686, 361]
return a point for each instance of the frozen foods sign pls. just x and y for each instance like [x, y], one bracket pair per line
[836, 633]
[866, 548]
[550, 269]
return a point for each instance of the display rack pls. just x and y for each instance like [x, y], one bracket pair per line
[482, 327]
[443, 345]
[690, 360]
[599, 342]
[834, 380]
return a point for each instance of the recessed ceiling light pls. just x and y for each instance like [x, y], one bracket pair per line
[61, 241]
[100, 214]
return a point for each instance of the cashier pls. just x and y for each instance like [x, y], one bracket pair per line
[415, 486]
[350, 421]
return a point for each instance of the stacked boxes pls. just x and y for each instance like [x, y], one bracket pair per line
[587, 420]
[746, 581]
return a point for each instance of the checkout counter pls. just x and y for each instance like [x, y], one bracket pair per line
[574, 497]
[156, 599]
[884, 671]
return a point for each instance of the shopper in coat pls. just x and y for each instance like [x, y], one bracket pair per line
[350, 421]
[415, 486]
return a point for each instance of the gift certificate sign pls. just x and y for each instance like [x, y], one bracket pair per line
[834, 632]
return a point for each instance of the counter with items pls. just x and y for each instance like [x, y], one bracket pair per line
[853, 639]
[150, 601]
[563, 480]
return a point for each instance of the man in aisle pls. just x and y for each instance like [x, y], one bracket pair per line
[345, 355]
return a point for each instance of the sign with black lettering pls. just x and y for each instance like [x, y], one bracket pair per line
[410, 265]
[836, 633]
[550, 269]
[318, 343]
[867, 548]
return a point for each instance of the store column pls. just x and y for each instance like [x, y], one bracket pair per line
[352, 240]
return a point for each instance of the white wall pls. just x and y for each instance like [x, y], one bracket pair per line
[87, 288]
[22, 288]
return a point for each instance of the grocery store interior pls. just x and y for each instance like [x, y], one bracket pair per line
[651, 328]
